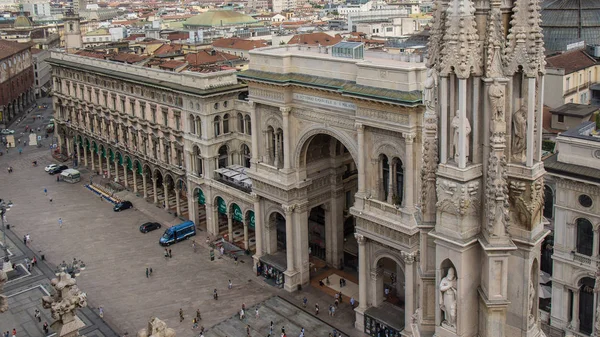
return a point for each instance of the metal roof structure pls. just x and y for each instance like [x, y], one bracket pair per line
[569, 21]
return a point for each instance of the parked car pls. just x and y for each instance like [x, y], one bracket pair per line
[149, 226]
[50, 167]
[122, 206]
[7, 132]
[58, 169]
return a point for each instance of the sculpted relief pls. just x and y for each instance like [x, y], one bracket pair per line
[448, 297]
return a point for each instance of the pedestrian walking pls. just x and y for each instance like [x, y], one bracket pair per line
[195, 323]
[304, 302]
[166, 252]
[101, 311]
[215, 294]
[352, 301]
[248, 330]
[222, 250]
[180, 315]
[330, 310]
[37, 315]
[150, 271]
[242, 314]
[60, 222]
[256, 314]
[170, 254]
[337, 299]
[198, 316]
[27, 239]
[271, 329]
[58, 178]
[45, 191]
[341, 296]
[24, 240]
[230, 285]
[147, 272]
[316, 308]
[34, 261]
[244, 306]
[235, 258]
[14, 333]
[283, 330]
[45, 327]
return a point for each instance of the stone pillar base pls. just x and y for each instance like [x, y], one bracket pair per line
[359, 322]
[7, 266]
[291, 281]
[70, 329]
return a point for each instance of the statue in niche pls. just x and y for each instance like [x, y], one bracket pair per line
[456, 126]
[429, 88]
[448, 298]
[519, 134]
[496, 94]
[531, 302]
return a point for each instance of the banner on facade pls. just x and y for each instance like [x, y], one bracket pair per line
[201, 197]
[251, 216]
[222, 206]
[237, 213]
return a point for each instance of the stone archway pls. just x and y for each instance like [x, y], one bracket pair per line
[222, 218]
[199, 200]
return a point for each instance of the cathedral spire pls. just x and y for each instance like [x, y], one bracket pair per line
[461, 47]
[525, 42]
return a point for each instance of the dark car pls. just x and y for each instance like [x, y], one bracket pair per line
[122, 205]
[58, 169]
[149, 226]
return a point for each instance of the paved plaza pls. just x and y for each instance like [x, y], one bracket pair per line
[117, 255]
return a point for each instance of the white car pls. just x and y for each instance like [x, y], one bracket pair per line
[7, 132]
[50, 167]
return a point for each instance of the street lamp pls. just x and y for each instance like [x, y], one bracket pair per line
[6, 260]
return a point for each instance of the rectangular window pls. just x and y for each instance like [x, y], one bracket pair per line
[177, 120]
[561, 118]
[568, 83]
[153, 111]
[132, 107]
[165, 117]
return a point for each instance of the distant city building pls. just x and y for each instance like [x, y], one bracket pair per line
[97, 37]
[565, 22]
[16, 79]
[37, 8]
[41, 72]
[572, 198]
[570, 77]
[219, 18]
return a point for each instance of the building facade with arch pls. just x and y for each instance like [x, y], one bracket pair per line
[573, 195]
[16, 79]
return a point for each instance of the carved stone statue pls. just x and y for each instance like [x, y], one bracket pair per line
[496, 94]
[448, 299]
[519, 134]
[3, 299]
[429, 88]
[63, 303]
[456, 126]
[156, 328]
[531, 301]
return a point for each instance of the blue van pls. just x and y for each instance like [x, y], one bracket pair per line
[178, 233]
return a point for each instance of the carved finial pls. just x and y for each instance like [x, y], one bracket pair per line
[461, 47]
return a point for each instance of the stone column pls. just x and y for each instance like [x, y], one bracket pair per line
[575, 312]
[92, 159]
[258, 226]
[68, 141]
[289, 238]
[117, 168]
[177, 204]
[154, 190]
[254, 130]
[267, 155]
[409, 288]
[390, 181]
[360, 129]
[135, 188]
[409, 194]
[530, 151]
[125, 174]
[362, 271]
[166, 191]
[99, 160]
[144, 185]
[108, 175]
[230, 226]
[444, 119]
[285, 112]
[85, 156]
[246, 240]
[462, 124]
[276, 160]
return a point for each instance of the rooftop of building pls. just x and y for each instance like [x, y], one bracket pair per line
[98, 32]
[586, 130]
[571, 61]
[569, 21]
[218, 18]
[9, 48]
[237, 43]
[318, 38]
[575, 110]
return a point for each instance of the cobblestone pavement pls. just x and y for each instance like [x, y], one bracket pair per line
[117, 254]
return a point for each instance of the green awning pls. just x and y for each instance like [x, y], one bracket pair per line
[111, 155]
[139, 167]
[237, 213]
[87, 144]
[119, 159]
[201, 197]
[221, 206]
[103, 153]
[129, 163]
[95, 147]
[251, 217]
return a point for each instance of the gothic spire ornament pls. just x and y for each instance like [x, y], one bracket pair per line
[525, 43]
[461, 50]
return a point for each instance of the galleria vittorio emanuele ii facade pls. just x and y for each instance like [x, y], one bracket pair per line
[422, 178]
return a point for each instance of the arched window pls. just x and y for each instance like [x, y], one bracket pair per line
[198, 123]
[246, 155]
[240, 119]
[248, 125]
[548, 202]
[217, 126]
[398, 196]
[585, 236]
[192, 122]
[385, 175]
[223, 156]
[198, 161]
[226, 123]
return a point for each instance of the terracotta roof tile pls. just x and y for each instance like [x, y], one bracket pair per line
[167, 49]
[322, 39]
[8, 48]
[237, 43]
[570, 61]
[206, 57]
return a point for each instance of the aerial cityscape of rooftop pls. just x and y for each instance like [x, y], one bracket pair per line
[300, 168]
